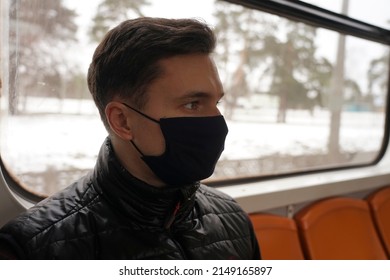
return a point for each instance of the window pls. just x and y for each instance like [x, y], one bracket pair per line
[298, 97]
[373, 12]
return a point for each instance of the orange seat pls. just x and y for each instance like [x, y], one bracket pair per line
[339, 228]
[379, 202]
[277, 237]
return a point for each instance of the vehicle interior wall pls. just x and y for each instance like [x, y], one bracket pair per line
[9, 205]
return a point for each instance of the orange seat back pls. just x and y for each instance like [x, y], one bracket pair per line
[379, 202]
[277, 237]
[339, 228]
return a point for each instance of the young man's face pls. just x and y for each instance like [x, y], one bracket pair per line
[189, 87]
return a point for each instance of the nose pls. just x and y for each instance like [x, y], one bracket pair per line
[214, 111]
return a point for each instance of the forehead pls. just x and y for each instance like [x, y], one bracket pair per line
[187, 63]
[195, 72]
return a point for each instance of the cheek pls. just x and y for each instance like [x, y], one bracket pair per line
[150, 138]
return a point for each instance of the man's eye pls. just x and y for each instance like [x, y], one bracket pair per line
[192, 105]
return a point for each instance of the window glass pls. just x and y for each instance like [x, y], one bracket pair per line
[298, 98]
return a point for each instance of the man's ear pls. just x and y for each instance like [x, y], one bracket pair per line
[116, 114]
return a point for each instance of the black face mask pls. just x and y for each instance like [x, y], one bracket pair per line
[193, 146]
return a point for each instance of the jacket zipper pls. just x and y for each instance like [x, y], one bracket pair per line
[169, 222]
[168, 225]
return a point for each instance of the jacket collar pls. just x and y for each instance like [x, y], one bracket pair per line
[145, 206]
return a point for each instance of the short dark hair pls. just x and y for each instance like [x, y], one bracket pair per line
[126, 61]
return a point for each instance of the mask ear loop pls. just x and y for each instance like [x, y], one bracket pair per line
[135, 146]
[142, 114]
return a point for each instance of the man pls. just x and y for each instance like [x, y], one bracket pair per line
[157, 90]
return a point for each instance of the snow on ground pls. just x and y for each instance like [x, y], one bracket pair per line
[33, 142]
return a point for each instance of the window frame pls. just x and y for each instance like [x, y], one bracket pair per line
[319, 17]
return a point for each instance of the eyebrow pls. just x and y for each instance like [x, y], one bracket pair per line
[199, 94]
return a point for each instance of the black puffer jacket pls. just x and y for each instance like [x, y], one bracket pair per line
[109, 214]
